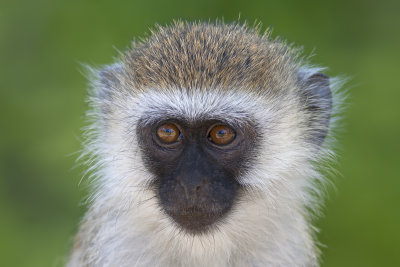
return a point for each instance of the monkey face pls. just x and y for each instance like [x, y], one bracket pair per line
[196, 166]
[207, 131]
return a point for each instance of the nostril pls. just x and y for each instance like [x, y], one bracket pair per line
[192, 186]
[183, 185]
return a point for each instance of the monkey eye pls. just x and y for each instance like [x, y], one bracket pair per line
[221, 135]
[168, 133]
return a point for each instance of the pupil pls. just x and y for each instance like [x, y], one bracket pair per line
[221, 133]
[168, 131]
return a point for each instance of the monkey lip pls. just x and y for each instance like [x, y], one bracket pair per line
[195, 219]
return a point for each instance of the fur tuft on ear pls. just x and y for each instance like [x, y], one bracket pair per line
[109, 81]
[106, 82]
[317, 98]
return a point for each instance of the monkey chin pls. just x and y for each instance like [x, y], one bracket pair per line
[196, 220]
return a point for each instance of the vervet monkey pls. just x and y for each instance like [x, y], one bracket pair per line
[205, 141]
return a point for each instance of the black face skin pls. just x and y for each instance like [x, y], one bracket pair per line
[196, 179]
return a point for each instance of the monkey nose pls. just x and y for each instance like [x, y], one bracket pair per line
[193, 187]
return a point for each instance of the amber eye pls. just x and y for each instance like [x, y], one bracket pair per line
[221, 135]
[168, 133]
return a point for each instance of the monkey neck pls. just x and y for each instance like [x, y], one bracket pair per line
[263, 233]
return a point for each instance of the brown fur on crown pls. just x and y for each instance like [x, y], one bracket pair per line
[203, 55]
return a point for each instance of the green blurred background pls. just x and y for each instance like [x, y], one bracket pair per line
[42, 92]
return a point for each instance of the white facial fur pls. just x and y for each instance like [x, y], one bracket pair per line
[267, 227]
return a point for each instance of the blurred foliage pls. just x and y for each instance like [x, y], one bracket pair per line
[42, 92]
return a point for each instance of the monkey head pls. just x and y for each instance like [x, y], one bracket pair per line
[208, 130]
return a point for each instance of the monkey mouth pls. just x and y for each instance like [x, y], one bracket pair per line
[195, 219]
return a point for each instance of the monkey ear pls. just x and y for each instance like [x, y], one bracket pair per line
[109, 80]
[317, 98]
[106, 83]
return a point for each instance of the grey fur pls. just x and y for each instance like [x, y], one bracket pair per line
[220, 71]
